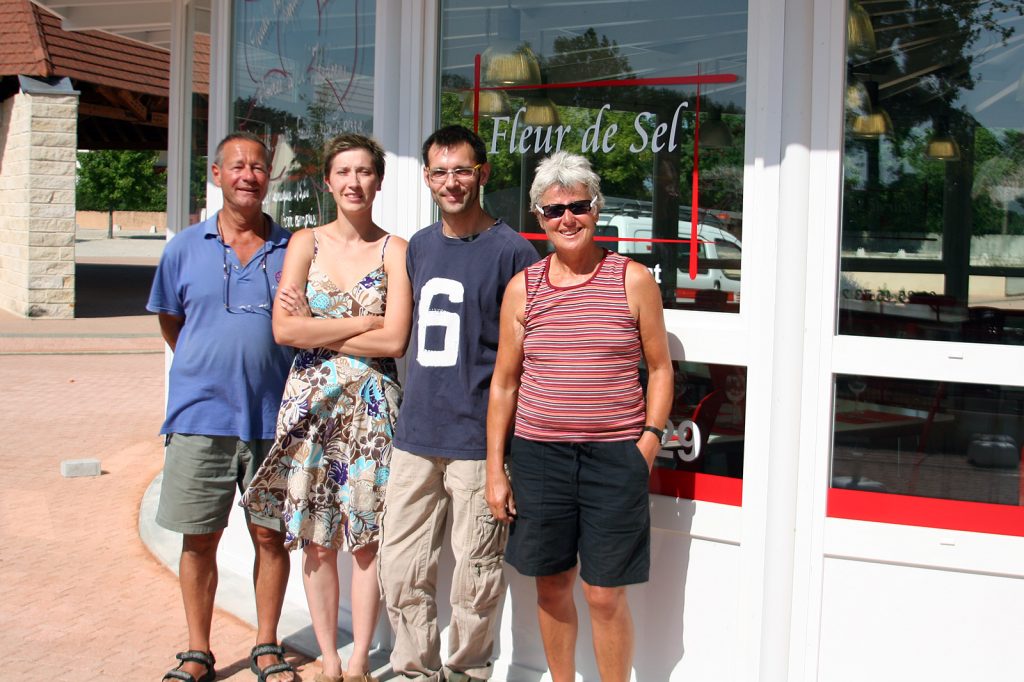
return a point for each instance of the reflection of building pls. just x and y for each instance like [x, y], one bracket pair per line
[858, 501]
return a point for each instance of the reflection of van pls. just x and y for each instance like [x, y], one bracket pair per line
[718, 251]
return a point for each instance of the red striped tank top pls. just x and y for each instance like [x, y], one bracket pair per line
[581, 354]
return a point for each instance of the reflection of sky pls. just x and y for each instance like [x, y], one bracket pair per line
[657, 38]
[285, 51]
[998, 70]
[919, 57]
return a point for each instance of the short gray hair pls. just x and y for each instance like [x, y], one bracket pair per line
[218, 156]
[567, 171]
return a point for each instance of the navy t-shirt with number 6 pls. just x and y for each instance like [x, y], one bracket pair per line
[457, 288]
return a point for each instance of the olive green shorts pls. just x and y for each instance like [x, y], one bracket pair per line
[201, 474]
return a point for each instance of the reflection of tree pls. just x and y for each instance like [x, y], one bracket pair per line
[304, 137]
[319, 125]
[1002, 180]
[624, 173]
[930, 53]
[586, 57]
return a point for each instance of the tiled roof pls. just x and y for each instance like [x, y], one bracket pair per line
[32, 43]
[21, 47]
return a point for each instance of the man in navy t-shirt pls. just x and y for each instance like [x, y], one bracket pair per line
[459, 268]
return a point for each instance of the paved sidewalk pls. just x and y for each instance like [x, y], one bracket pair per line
[80, 597]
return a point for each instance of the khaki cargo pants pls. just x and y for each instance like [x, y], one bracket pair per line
[421, 492]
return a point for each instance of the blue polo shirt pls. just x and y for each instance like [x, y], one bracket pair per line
[228, 373]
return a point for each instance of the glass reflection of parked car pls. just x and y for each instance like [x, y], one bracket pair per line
[628, 230]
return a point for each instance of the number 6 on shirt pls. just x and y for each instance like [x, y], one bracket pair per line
[450, 322]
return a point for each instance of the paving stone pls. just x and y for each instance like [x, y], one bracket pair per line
[73, 468]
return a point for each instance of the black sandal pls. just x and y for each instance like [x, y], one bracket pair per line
[193, 656]
[282, 666]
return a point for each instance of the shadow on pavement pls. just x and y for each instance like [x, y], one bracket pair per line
[112, 290]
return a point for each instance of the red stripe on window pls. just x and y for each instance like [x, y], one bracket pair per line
[541, 237]
[694, 486]
[620, 82]
[730, 296]
[927, 512]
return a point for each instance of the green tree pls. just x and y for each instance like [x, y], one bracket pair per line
[119, 180]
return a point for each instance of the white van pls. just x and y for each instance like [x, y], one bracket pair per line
[718, 251]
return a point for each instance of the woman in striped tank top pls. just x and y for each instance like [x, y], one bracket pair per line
[574, 327]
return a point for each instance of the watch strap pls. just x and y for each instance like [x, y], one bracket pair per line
[655, 430]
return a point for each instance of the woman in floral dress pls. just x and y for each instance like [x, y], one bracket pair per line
[328, 469]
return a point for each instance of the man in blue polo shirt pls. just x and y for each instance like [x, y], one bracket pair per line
[213, 293]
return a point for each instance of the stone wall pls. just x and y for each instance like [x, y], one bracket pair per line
[38, 139]
[125, 220]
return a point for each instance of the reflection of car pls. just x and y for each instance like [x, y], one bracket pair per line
[718, 259]
[718, 251]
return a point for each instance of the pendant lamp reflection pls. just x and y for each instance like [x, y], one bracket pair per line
[540, 111]
[860, 34]
[875, 123]
[872, 126]
[942, 147]
[507, 60]
[518, 66]
[714, 133]
[492, 103]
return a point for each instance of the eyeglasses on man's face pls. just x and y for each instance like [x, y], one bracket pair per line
[257, 308]
[462, 174]
[554, 211]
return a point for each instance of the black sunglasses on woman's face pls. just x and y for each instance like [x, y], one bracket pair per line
[552, 211]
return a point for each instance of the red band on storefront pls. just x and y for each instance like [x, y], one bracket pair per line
[927, 512]
[695, 486]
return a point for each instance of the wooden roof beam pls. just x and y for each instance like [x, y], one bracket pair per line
[156, 119]
[125, 99]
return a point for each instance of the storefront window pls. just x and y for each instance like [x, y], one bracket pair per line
[933, 193]
[932, 249]
[928, 439]
[653, 93]
[303, 73]
[705, 439]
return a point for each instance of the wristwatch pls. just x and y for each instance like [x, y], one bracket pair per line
[656, 431]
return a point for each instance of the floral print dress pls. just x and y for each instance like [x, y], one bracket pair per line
[326, 474]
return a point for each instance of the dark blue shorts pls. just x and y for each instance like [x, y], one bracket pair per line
[585, 499]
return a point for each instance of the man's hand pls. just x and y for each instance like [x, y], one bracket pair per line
[499, 497]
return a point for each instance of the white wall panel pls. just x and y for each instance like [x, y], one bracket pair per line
[885, 623]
